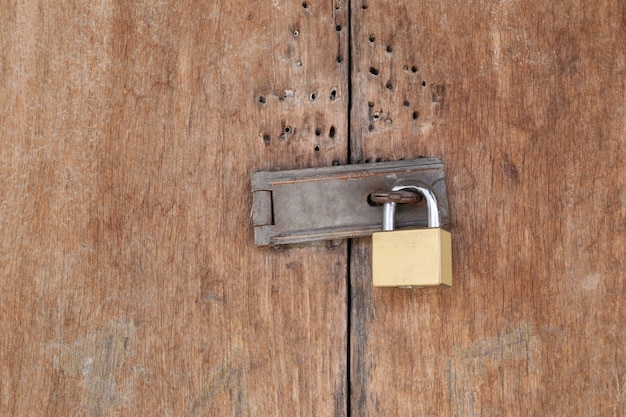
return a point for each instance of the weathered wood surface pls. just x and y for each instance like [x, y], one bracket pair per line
[524, 103]
[129, 282]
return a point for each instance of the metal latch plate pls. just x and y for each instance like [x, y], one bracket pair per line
[305, 205]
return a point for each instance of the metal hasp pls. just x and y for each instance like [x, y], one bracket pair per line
[306, 205]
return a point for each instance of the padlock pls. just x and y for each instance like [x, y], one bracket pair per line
[412, 257]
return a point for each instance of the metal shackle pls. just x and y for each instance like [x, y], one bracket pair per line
[389, 209]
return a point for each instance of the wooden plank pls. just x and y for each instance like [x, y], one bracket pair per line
[130, 284]
[524, 103]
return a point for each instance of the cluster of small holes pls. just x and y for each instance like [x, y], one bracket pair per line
[313, 96]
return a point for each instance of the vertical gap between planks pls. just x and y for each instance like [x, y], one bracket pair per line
[349, 244]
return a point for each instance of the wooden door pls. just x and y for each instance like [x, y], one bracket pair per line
[524, 102]
[129, 283]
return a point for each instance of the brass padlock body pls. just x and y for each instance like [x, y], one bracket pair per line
[412, 258]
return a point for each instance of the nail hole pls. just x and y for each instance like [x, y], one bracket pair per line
[374, 71]
[313, 96]
[414, 69]
[318, 132]
[423, 83]
[370, 104]
[333, 94]
[339, 59]
[316, 148]
[406, 103]
[287, 130]
[305, 5]
[372, 38]
[331, 133]
[378, 159]
[370, 128]
[338, 28]
[389, 49]
[261, 100]
[266, 138]
[296, 33]
[376, 115]
[367, 161]
[364, 7]
[389, 86]
[416, 115]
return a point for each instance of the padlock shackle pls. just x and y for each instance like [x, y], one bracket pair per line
[431, 205]
[389, 211]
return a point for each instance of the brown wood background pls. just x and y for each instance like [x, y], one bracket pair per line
[129, 284]
[524, 102]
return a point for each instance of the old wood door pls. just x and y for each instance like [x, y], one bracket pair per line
[129, 282]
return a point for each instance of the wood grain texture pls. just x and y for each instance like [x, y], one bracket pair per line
[524, 103]
[129, 282]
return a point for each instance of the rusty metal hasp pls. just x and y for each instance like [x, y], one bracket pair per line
[299, 206]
